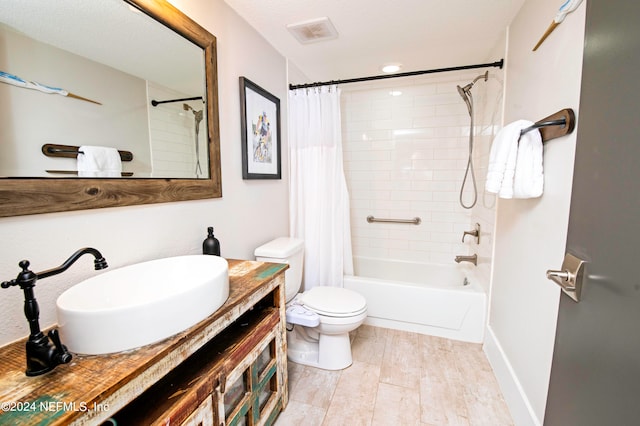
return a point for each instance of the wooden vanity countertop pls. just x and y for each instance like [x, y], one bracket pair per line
[92, 388]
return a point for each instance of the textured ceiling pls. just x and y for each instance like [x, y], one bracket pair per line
[420, 34]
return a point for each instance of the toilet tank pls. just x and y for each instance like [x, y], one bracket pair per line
[289, 251]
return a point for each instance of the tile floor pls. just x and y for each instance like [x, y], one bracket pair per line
[398, 378]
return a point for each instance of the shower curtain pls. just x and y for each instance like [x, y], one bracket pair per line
[318, 197]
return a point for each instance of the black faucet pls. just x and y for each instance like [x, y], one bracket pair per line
[42, 356]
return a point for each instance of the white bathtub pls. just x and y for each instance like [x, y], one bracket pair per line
[439, 300]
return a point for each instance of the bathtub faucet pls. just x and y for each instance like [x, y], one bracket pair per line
[472, 259]
[475, 233]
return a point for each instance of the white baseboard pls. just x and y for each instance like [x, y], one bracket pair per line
[519, 406]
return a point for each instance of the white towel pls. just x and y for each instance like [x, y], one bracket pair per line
[528, 181]
[99, 161]
[515, 168]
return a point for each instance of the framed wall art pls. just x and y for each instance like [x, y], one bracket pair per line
[260, 121]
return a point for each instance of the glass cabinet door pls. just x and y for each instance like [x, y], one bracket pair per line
[251, 388]
[236, 398]
[265, 379]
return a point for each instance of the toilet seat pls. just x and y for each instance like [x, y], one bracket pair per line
[334, 302]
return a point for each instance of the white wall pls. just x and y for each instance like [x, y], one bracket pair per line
[405, 157]
[250, 212]
[530, 235]
[294, 75]
[35, 118]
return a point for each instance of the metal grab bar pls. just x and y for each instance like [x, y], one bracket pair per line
[415, 220]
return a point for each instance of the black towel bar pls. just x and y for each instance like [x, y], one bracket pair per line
[559, 124]
[71, 151]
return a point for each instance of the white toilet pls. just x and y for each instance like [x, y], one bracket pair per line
[319, 319]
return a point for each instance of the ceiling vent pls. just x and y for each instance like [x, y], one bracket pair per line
[313, 31]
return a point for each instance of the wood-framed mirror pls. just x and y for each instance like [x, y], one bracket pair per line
[35, 195]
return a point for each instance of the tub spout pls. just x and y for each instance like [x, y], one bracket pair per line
[472, 259]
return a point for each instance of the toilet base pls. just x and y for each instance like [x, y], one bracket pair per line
[328, 352]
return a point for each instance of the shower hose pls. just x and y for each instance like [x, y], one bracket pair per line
[469, 169]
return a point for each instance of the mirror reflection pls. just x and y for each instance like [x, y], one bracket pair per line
[84, 74]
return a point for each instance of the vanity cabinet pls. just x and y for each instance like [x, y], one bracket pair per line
[250, 392]
[232, 380]
[228, 370]
[203, 415]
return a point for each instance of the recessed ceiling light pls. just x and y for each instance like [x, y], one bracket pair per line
[395, 93]
[389, 68]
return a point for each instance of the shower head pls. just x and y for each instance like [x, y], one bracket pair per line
[198, 115]
[465, 94]
[464, 90]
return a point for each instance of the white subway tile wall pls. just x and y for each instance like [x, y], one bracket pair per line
[490, 122]
[405, 147]
[172, 131]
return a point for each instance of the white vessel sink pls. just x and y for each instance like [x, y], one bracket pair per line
[141, 304]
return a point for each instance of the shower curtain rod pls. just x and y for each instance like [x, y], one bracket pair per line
[196, 98]
[498, 64]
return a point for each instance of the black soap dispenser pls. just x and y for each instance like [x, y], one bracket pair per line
[211, 245]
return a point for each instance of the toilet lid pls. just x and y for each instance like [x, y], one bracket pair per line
[334, 301]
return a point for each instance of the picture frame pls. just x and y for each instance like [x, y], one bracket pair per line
[260, 132]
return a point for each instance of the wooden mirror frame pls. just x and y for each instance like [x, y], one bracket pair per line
[25, 196]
